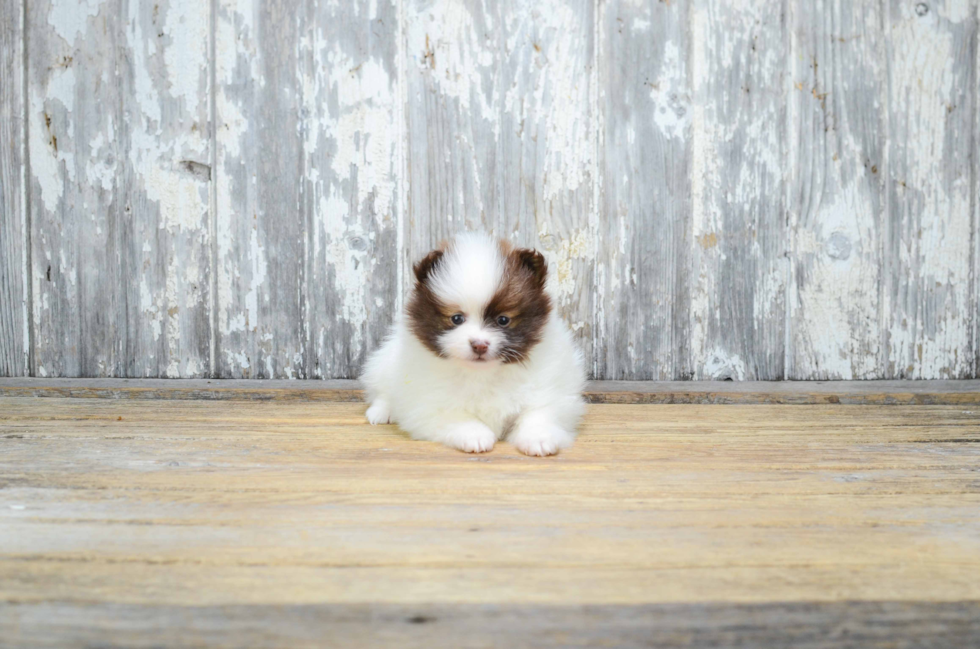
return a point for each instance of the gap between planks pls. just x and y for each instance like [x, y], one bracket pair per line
[965, 392]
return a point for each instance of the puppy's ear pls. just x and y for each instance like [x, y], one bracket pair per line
[533, 261]
[427, 264]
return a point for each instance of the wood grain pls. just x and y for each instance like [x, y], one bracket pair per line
[976, 206]
[262, 228]
[931, 48]
[119, 183]
[14, 343]
[307, 189]
[837, 190]
[120, 511]
[452, 120]
[884, 625]
[643, 283]
[739, 54]
[351, 181]
[975, 277]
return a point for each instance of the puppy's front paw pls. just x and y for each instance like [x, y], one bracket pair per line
[379, 412]
[540, 440]
[471, 437]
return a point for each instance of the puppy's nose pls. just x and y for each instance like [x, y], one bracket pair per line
[480, 347]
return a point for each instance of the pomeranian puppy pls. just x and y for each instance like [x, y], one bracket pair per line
[479, 354]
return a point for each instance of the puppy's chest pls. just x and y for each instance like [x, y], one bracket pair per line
[490, 401]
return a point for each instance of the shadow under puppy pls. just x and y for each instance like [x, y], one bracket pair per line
[479, 354]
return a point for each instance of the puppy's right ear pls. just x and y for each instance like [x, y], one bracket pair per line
[425, 267]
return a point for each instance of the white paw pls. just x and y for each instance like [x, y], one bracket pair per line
[379, 413]
[471, 437]
[540, 441]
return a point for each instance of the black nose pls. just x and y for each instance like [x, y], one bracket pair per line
[480, 347]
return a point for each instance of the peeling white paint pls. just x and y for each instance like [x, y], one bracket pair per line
[841, 274]
[187, 26]
[562, 280]
[551, 108]
[69, 17]
[363, 132]
[955, 11]
[182, 199]
[47, 113]
[924, 84]
[260, 265]
[727, 126]
[151, 308]
[670, 95]
[720, 365]
[350, 143]
[98, 170]
[445, 39]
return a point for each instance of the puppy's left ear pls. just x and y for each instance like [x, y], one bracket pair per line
[533, 261]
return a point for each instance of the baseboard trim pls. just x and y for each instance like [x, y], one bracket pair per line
[966, 392]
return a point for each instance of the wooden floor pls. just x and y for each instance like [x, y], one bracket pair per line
[229, 523]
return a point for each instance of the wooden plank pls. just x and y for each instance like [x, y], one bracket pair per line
[117, 513]
[961, 392]
[931, 53]
[645, 228]
[119, 187]
[351, 151]
[14, 332]
[739, 54]
[836, 193]
[260, 190]
[501, 135]
[307, 197]
[976, 207]
[452, 120]
[884, 625]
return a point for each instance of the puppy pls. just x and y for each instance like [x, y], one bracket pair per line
[479, 354]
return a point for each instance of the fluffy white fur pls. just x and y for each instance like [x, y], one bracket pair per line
[470, 404]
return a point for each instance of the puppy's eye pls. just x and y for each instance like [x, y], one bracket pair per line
[458, 319]
[503, 320]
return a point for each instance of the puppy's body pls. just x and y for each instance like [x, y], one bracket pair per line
[509, 368]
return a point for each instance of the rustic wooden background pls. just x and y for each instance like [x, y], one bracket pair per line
[750, 189]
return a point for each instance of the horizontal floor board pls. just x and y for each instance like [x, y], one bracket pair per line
[810, 625]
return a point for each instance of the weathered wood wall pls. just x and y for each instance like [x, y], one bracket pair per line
[745, 189]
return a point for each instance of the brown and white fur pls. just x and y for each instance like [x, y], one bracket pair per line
[479, 354]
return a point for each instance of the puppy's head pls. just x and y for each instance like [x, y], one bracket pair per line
[480, 301]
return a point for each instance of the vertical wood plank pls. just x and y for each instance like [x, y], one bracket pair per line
[501, 134]
[261, 228]
[14, 343]
[350, 136]
[645, 216]
[931, 50]
[118, 122]
[453, 119]
[836, 194]
[306, 188]
[739, 54]
[975, 311]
